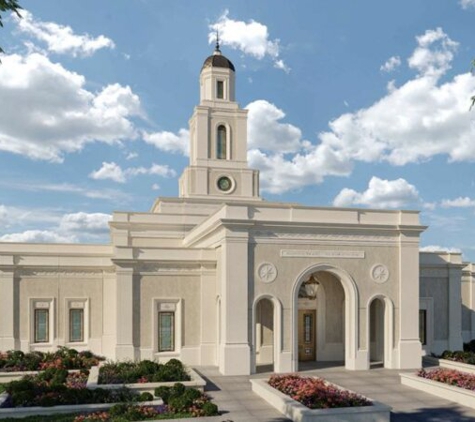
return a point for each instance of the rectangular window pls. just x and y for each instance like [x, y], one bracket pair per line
[41, 325]
[220, 89]
[423, 326]
[76, 325]
[166, 331]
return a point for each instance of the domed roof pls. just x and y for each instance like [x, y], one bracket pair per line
[218, 60]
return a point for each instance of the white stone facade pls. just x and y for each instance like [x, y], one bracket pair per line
[219, 277]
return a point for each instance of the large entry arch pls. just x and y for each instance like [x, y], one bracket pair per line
[354, 358]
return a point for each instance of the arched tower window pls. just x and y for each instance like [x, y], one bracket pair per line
[221, 143]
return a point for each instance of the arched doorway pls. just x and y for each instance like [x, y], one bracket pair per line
[264, 335]
[336, 317]
[376, 332]
[380, 332]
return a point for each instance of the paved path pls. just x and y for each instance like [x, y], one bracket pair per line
[238, 403]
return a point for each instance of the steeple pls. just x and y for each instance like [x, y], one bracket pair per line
[218, 136]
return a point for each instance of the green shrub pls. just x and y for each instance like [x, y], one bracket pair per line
[209, 409]
[118, 409]
[145, 396]
[163, 393]
[179, 404]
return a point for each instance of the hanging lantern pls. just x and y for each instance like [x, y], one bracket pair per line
[311, 287]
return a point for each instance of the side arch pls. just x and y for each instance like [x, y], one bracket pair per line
[388, 327]
[277, 318]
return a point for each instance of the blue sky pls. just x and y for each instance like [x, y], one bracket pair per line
[357, 104]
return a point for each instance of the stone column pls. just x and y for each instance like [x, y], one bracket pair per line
[125, 314]
[408, 343]
[455, 307]
[208, 324]
[8, 339]
[235, 356]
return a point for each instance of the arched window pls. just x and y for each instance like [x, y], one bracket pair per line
[221, 143]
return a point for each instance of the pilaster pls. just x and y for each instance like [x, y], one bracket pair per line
[409, 345]
[455, 308]
[125, 314]
[8, 330]
[235, 356]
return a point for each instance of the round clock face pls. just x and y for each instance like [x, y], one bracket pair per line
[225, 184]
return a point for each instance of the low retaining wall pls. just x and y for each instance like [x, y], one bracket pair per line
[459, 366]
[300, 413]
[440, 389]
[21, 412]
[195, 382]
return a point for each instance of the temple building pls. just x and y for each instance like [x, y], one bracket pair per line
[218, 276]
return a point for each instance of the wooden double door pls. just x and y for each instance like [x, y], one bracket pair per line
[307, 334]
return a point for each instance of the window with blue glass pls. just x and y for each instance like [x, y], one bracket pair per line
[41, 325]
[76, 325]
[166, 331]
[221, 150]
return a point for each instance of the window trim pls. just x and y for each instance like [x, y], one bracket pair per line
[167, 305]
[172, 315]
[49, 305]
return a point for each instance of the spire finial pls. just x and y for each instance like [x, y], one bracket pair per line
[217, 41]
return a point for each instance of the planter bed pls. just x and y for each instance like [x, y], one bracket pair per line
[374, 412]
[459, 366]
[187, 376]
[463, 396]
[18, 362]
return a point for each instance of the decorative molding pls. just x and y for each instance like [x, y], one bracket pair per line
[329, 237]
[311, 253]
[379, 273]
[60, 273]
[267, 272]
[165, 269]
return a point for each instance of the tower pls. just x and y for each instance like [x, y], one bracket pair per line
[218, 135]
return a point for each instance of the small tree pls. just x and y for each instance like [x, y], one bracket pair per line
[6, 5]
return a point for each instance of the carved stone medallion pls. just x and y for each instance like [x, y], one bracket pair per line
[379, 273]
[267, 272]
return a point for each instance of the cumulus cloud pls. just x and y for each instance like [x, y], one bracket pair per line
[251, 38]
[416, 121]
[467, 3]
[58, 114]
[443, 249]
[169, 141]
[380, 194]
[81, 222]
[265, 131]
[460, 202]
[57, 227]
[391, 64]
[112, 171]
[279, 174]
[38, 236]
[61, 39]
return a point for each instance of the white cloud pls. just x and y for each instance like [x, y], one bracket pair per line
[82, 222]
[58, 115]
[266, 132]
[155, 186]
[61, 39]
[434, 53]
[391, 64]
[416, 121]
[131, 156]
[112, 171]
[467, 3]
[380, 194]
[170, 142]
[279, 174]
[435, 248]
[460, 202]
[251, 38]
[38, 236]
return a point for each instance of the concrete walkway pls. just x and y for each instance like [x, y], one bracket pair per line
[238, 403]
